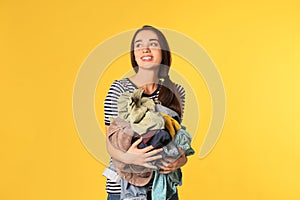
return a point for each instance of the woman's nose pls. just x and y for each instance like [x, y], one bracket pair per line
[146, 50]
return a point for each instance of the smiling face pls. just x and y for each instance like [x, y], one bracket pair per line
[147, 50]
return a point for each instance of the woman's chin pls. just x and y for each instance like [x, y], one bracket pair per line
[149, 66]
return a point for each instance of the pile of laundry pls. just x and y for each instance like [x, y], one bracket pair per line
[160, 127]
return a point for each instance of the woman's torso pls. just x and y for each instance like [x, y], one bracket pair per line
[111, 111]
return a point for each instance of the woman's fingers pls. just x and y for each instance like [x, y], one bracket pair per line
[136, 143]
[146, 149]
[181, 151]
[152, 158]
[150, 166]
[171, 164]
[153, 152]
[170, 161]
[165, 172]
[143, 156]
[166, 166]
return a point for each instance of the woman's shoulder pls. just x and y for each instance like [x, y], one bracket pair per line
[122, 81]
[119, 81]
[180, 89]
[122, 85]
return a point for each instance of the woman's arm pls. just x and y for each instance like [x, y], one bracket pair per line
[172, 164]
[134, 155]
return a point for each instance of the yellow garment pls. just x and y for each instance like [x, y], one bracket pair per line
[171, 124]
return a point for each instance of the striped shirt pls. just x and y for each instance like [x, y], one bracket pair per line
[111, 111]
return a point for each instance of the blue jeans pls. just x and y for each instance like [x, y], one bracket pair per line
[117, 197]
[113, 196]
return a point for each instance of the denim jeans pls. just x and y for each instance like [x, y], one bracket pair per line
[117, 197]
[113, 196]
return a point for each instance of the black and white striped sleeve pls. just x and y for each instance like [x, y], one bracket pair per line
[181, 92]
[111, 101]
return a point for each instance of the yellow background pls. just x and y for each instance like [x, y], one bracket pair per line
[255, 45]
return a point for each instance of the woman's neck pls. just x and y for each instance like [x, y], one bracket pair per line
[146, 79]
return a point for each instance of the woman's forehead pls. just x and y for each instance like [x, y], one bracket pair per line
[145, 35]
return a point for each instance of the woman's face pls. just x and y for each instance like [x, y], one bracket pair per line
[147, 50]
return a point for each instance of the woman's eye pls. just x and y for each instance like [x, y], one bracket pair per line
[154, 44]
[138, 45]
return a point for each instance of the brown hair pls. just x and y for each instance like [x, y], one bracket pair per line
[168, 93]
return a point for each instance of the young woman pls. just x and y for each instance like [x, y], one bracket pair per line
[151, 60]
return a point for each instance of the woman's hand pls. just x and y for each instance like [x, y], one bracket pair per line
[134, 155]
[173, 164]
[142, 157]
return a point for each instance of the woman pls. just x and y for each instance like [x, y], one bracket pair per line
[151, 59]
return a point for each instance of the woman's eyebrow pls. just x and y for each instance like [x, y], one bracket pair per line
[149, 40]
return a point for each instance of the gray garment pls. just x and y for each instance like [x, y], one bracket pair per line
[168, 111]
[183, 140]
[140, 112]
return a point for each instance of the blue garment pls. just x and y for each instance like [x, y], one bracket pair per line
[129, 191]
[111, 196]
[164, 185]
[160, 139]
[183, 140]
